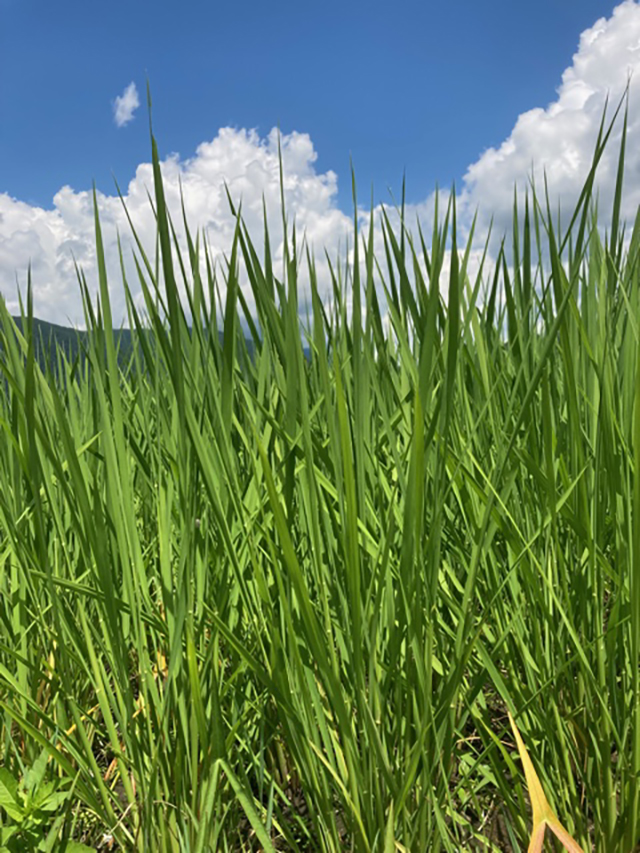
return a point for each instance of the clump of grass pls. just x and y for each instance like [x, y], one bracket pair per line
[254, 597]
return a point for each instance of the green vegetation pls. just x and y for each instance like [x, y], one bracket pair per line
[288, 603]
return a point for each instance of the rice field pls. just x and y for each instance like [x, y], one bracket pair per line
[277, 579]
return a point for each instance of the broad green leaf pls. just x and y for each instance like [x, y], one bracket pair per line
[9, 795]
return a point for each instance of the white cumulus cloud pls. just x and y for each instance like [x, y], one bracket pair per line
[249, 165]
[125, 105]
[560, 139]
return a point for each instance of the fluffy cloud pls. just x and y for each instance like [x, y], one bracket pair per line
[53, 239]
[125, 105]
[559, 139]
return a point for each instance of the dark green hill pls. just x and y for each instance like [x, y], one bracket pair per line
[48, 336]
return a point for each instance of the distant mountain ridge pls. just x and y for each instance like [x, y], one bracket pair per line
[51, 335]
[71, 340]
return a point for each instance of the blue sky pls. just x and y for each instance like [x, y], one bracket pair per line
[479, 93]
[424, 87]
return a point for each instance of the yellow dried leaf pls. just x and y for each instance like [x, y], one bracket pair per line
[543, 814]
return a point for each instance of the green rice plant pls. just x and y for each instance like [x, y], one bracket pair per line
[275, 577]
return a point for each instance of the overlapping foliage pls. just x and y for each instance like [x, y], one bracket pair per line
[285, 598]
